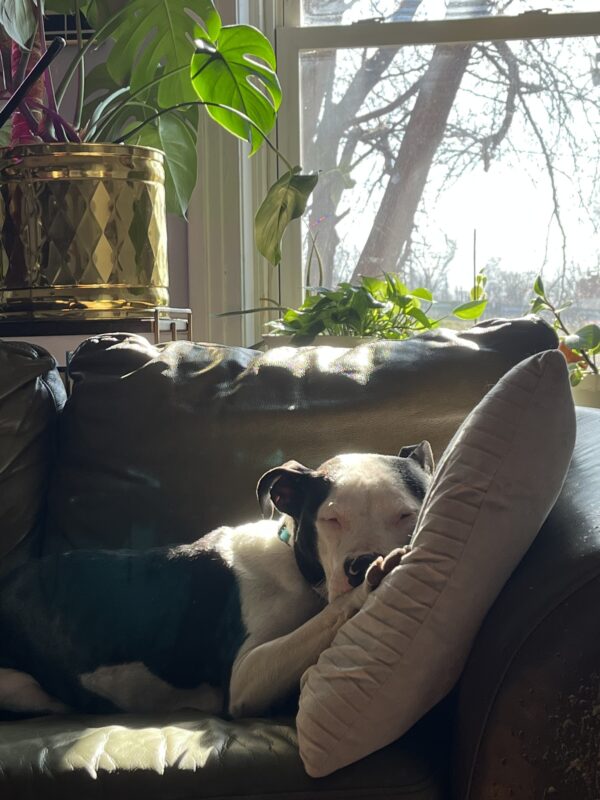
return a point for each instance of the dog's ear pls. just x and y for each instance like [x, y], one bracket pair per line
[285, 487]
[421, 453]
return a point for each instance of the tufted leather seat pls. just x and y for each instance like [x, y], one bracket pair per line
[190, 756]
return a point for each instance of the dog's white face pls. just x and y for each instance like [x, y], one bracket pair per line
[369, 511]
[349, 511]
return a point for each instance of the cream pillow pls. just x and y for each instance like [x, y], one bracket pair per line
[403, 652]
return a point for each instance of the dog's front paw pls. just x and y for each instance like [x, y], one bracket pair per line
[383, 566]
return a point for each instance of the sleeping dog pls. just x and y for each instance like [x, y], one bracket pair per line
[226, 624]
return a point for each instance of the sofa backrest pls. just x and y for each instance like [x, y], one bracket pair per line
[163, 443]
[31, 397]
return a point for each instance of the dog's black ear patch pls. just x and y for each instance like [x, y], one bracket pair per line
[421, 453]
[285, 487]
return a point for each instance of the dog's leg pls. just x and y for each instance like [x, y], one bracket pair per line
[265, 672]
[20, 691]
[132, 687]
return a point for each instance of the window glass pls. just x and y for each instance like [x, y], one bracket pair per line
[346, 12]
[440, 161]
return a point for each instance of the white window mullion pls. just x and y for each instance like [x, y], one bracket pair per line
[258, 173]
[226, 273]
[214, 246]
[288, 142]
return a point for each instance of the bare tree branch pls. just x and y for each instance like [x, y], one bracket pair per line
[395, 217]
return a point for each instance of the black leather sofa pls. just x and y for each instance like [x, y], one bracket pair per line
[160, 444]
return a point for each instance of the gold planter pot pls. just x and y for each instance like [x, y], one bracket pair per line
[82, 231]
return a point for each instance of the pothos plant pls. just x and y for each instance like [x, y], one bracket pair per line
[375, 307]
[580, 348]
[165, 61]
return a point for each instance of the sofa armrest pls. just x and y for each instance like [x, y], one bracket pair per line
[528, 722]
[31, 396]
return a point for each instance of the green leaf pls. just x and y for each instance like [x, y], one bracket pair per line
[180, 146]
[573, 342]
[590, 335]
[576, 374]
[420, 316]
[173, 136]
[240, 74]
[97, 12]
[537, 305]
[538, 286]
[17, 17]
[59, 7]
[470, 310]
[286, 200]
[159, 34]
[567, 305]
[374, 285]
[478, 290]
[424, 294]
[586, 338]
[101, 91]
[395, 286]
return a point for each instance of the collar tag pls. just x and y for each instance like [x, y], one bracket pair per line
[284, 535]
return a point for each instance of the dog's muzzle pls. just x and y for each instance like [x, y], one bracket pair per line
[356, 568]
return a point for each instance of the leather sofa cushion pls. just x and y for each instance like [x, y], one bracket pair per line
[164, 443]
[31, 396]
[191, 756]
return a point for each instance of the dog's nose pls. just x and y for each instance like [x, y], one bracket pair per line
[356, 568]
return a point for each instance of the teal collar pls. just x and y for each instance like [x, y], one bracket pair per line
[284, 535]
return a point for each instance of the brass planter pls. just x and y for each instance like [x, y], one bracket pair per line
[82, 231]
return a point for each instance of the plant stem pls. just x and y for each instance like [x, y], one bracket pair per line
[5, 64]
[314, 250]
[71, 134]
[33, 123]
[48, 83]
[43, 50]
[108, 117]
[81, 70]
[135, 130]
[63, 85]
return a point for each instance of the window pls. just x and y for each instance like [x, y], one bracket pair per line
[452, 136]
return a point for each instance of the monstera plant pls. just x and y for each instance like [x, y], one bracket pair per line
[165, 62]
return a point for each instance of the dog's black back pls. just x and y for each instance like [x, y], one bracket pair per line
[175, 610]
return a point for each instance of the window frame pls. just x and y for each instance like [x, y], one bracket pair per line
[291, 39]
[225, 271]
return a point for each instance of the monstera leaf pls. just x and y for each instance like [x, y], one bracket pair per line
[285, 201]
[97, 12]
[155, 34]
[17, 17]
[238, 70]
[61, 6]
[173, 135]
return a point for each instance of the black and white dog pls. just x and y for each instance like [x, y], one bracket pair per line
[226, 624]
